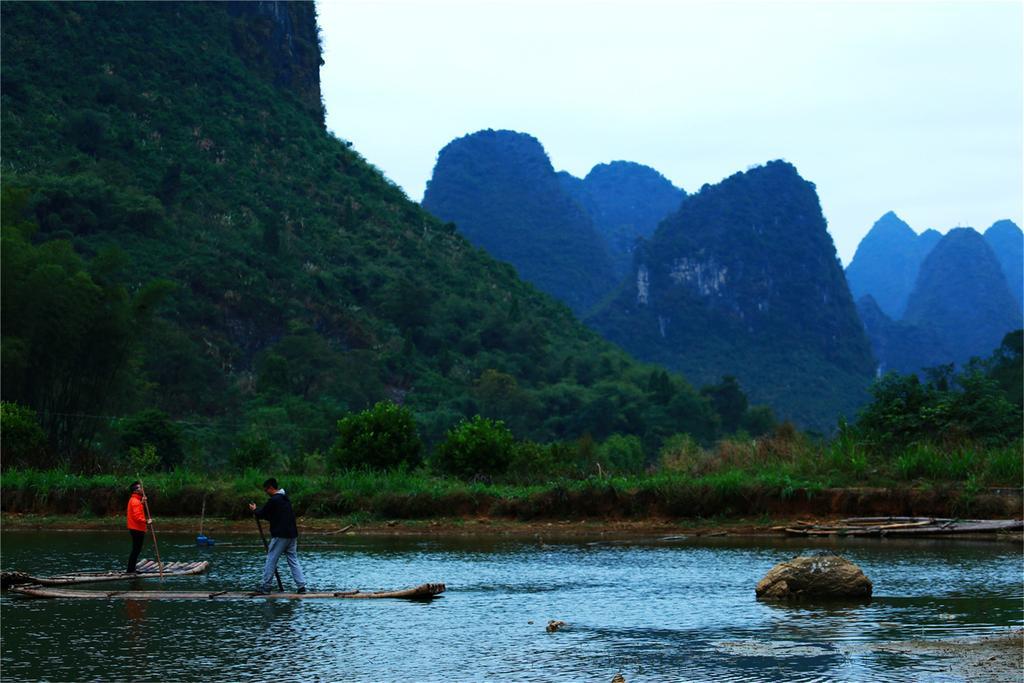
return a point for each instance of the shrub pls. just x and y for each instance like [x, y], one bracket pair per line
[531, 462]
[142, 459]
[382, 437]
[681, 453]
[622, 454]
[254, 452]
[475, 447]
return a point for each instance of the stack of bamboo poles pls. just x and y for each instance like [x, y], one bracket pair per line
[899, 526]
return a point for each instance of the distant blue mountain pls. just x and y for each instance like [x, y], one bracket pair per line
[626, 201]
[1007, 241]
[500, 190]
[963, 296]
[887, 261]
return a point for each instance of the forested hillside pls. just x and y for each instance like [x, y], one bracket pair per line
[743, 280]
[190, 260]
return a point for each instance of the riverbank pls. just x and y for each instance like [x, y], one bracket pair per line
[536, 530]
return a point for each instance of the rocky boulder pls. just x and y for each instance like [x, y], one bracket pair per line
[821, 576]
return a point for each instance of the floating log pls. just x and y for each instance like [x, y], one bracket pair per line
[900, 526]
[427, 591]
[146, 569]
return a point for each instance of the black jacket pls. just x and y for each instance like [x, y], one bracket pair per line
[278, 511]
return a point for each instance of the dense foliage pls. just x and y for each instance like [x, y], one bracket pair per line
[743, 280]
[980, 404]
[155, 143]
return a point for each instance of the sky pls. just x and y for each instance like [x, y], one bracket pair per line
[915, 107]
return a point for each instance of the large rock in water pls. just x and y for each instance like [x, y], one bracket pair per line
[814, 576]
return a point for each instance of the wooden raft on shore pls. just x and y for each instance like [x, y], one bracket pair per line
[904, 526]
[146, 569]
[426, 591]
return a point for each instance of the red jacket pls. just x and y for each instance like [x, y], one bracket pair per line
[136, 513]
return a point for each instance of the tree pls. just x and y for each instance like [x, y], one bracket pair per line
[729, 402]
[475, 447]
[382, 437]
[154, 428]
[50, 293]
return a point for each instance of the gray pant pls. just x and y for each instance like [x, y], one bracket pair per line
[278, 547]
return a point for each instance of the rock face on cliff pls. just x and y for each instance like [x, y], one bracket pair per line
[499, 189]
[887, 261]
[279, 41]
[1007, 242]
[744, 280]
[626, 201]
[810, 577]
[962, 294]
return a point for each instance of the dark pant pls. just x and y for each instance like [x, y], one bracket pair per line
[137, 538]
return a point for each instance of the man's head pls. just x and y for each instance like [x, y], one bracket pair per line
[270, 486]
[135, 487]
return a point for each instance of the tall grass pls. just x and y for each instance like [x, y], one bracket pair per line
[689, 480]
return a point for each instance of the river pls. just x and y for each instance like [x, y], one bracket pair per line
[681, 610]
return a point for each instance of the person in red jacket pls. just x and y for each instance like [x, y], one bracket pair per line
[136, 523]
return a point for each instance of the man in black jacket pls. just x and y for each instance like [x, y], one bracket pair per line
[284, 536]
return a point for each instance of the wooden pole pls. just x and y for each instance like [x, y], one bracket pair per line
[152, 528]
[266, 546]
[202, 516]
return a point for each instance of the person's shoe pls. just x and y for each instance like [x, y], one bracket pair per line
[301, 590]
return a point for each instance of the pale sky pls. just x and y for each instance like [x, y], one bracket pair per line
[915, 107]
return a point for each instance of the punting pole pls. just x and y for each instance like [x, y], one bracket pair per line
[152, 528]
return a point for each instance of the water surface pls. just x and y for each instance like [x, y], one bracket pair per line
[653, 611]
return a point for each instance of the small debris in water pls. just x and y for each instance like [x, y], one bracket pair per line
[555, 625]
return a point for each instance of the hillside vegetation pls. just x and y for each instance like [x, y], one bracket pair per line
[191, 260]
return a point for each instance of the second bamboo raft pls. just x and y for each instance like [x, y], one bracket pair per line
[146, 569]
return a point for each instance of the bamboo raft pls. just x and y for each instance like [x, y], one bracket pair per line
[904, 526]
[424, 592]
[146, 569]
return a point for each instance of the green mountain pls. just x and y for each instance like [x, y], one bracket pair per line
[500, 191]
[962, 294]
[626, 201]
[743, 280]
[887, 261]
[188, 257]
[1007, 242]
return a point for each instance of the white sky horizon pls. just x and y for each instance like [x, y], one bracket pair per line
[915, 107]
